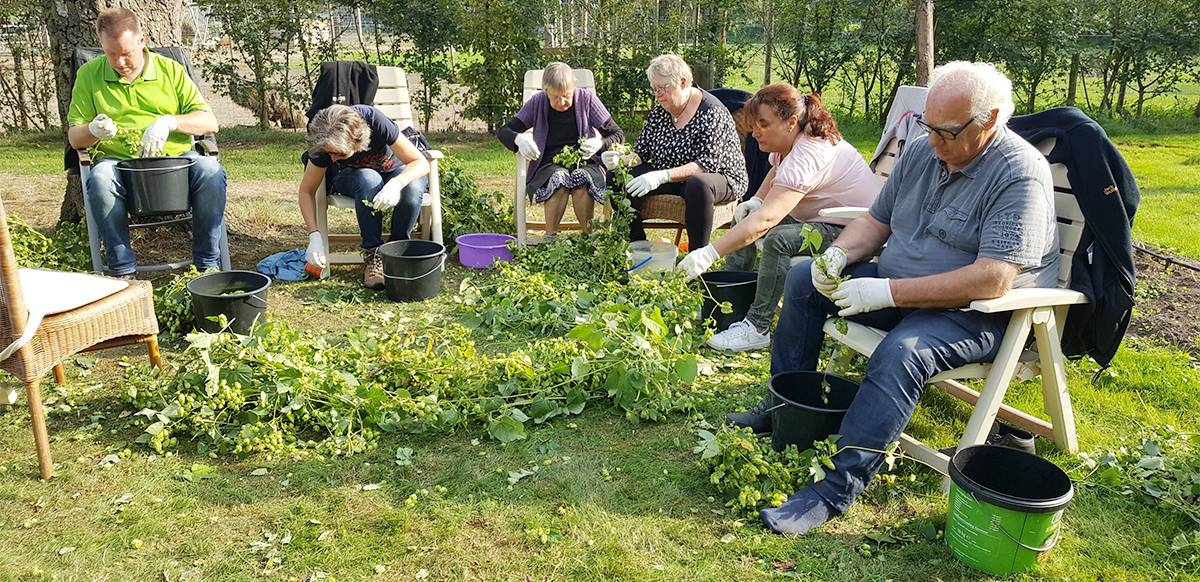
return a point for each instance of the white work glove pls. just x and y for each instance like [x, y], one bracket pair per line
[590, 146]
[103, 127]
[746, 209]
[644, 184]
[697, 261]
[388, 196]
[826, 280]
[862, 295]
[611, 159]
[316, 251]
[527, 148]
[155, 136]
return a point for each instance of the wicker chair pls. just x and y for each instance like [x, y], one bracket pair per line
[665, 211]
[122, 318]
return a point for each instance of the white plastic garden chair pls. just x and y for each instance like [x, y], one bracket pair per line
[1039, 310]
[584, 79]
[393, 100]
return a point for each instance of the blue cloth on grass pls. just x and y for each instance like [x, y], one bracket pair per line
[288, 265]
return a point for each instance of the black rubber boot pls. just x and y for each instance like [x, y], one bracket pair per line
[756, 418]
[1004, 435]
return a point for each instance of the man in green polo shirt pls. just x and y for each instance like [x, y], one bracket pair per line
[140, 92]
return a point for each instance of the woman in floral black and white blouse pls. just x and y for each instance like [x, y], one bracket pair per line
[689, 148]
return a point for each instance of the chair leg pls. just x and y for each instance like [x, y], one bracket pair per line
[41, 439]
[152, 347]
[1055, 397]
[60, 375]
[435, 203]
[92, 229]
[226, 265]
[321, 207]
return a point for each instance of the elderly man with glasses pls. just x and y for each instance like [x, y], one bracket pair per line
[968, 214]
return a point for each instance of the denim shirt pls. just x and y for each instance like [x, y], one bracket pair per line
[1000, 206]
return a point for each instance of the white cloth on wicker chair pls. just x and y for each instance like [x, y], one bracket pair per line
[49, 292]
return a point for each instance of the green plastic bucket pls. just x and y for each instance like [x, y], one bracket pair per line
[1005, 509]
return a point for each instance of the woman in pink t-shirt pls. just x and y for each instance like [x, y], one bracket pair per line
[812, 168]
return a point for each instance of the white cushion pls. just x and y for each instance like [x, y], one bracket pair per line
[50, 292]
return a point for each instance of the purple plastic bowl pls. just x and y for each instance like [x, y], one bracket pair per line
[479, 251]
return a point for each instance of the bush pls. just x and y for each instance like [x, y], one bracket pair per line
[464, 209]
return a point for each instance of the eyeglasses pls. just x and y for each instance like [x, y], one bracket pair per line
[946, 134]
[663, 89]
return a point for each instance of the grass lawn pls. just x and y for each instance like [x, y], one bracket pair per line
[609, 500]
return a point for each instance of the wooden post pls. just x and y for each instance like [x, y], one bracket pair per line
[924, 26]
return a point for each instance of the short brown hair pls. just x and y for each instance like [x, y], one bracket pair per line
[785, 101]
[338, 129]
[114, 22]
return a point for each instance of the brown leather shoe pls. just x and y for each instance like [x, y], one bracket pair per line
[372, 269]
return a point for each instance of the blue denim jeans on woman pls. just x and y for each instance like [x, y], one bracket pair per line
[780, 244]
[921, 343]
[206, 196]
[363, 184]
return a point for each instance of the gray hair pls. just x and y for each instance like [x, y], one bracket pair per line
[669, 66]
[988, 88]
[558, 76]
[337, 129]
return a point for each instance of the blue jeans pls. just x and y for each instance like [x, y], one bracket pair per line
[780, 244]
[206, 196]
[362, 184]
[921, 344]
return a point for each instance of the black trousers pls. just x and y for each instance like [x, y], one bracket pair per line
[700, 193]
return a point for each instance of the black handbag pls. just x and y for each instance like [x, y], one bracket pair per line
[417, 139]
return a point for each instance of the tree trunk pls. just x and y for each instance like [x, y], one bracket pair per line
[1074, 82]
[924, 41]
[767, 50]
[72, 23]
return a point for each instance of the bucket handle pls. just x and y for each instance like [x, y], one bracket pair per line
[639, 264]
[996, 521]
[191, 162]
[431, 271]
[251, 298]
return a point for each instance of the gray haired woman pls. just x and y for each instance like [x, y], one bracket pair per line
[689, 147]
[373, 163]
[559, 115]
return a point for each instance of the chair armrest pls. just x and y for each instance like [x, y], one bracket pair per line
[85, 158]
[850, 212]
[207, 145]
[433, 154]
[1028, 298]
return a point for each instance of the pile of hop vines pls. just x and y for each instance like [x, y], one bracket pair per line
[753, 475]
[279, 391]
[173, 304]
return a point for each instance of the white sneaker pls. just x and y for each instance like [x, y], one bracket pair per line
[742, 336]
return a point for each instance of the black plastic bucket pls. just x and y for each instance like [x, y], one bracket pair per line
[1005, 508]
[156, 185]
[736, 287]
[412, 269]
[799, 414]
[241, 296]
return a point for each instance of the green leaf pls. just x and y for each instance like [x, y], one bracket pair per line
[687, 369]
[372, 487]
[404, 456]
[929, 531]
[576, 400]
[506, 430]
[542, 410]
[708, 447]
[259, 472]
[579, 367]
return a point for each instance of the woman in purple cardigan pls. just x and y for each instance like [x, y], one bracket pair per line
[559, 116]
